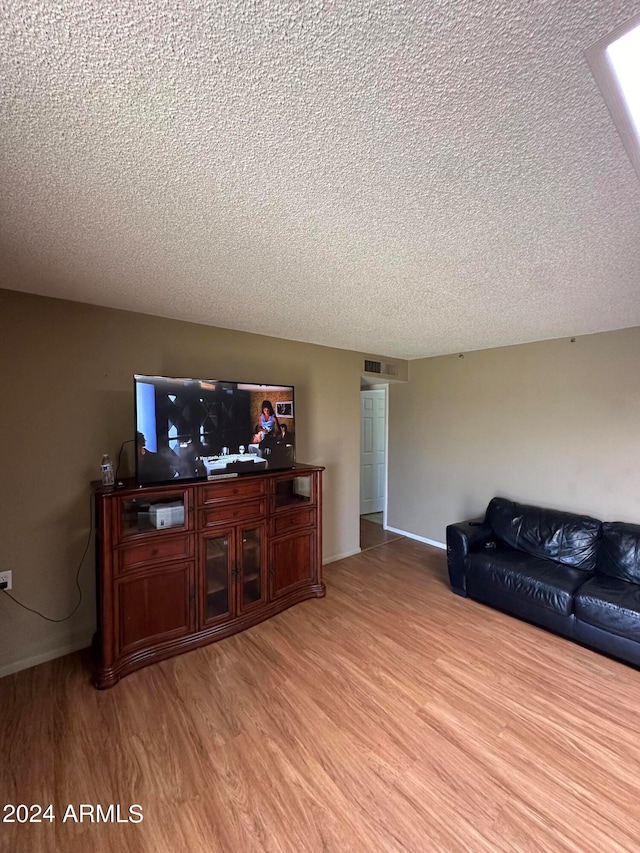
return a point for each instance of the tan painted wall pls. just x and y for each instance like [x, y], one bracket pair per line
[552, 423]
[67, 397]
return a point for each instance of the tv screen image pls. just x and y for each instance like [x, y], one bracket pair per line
[202, 428]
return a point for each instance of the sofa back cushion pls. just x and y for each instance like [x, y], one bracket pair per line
[561, 536]
[619, 551]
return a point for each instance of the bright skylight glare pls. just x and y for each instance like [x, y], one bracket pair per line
[624, 54]
[615, 63]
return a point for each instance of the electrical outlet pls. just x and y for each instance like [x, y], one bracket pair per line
[5, 577]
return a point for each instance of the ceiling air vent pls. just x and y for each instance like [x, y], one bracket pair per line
[372, 366]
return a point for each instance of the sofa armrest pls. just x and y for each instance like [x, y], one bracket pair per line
[463, 537]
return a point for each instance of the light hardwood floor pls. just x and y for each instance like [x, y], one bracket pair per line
[390, 716]
[372, 534]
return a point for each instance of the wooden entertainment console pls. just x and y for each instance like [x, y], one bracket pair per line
[183, 565]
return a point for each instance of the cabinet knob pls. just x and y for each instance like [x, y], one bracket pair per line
[154, 552]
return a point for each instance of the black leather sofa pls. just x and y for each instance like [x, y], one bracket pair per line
[572, 574]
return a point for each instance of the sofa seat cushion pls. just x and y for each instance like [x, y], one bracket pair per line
[619, 551]
[551, 534]
[610, 604]
[542, 582]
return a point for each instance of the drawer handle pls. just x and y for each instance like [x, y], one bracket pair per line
[154, 552]
[235, 492]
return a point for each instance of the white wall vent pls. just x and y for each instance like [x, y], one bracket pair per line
[372, 366]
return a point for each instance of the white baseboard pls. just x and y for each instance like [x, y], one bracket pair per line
[441, 545]
[418, 538]
[326, 560]
[52, 654]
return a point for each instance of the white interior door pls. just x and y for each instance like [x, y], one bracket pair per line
[373, 450]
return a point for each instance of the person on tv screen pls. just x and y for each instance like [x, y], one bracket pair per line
[285, 435]
[269, 424]
[153, 467]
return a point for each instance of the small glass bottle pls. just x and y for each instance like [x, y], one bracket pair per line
[106, 467]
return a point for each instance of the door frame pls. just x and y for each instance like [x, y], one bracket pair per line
[366, 385]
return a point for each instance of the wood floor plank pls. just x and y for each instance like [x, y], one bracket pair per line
[390, 716]
[373, 534]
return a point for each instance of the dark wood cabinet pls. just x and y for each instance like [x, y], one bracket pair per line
[292, 563]
[182, 566]
[153, 607]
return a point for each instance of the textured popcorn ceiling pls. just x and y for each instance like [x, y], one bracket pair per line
[407, 178]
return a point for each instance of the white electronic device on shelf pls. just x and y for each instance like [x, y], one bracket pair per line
[167, 515]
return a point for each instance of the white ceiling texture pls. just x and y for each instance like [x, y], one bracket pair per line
[401, 177]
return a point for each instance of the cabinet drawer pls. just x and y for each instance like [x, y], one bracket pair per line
[231, 514]
[156, 551]
[231, 490]
[293, 521]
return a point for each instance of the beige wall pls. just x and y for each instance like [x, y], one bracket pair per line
[552, 423]
[67, 397]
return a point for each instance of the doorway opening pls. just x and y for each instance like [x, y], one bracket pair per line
[373, 466]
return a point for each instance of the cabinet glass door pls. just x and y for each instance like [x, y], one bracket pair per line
[217, 562]
[293, 491]
[251, 581]
[152, 513]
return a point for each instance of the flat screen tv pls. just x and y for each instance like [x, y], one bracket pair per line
[190, 429]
